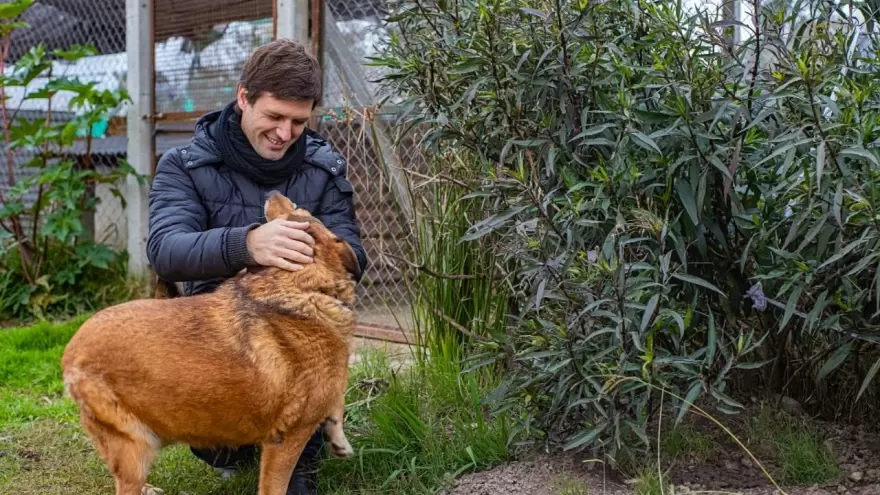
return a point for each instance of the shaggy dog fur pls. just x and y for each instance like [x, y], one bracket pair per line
[262, 360]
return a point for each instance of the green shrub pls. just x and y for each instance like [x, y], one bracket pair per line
[638, 175]
[50, 263]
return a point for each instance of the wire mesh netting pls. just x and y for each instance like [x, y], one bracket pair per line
[382, 295]
[201, 48]
[353, 32]
[63, 24]
[110, 221]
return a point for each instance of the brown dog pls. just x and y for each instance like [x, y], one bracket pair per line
[262, 360]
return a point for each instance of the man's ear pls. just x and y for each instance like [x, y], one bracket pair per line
[241, 96]
[277, 206]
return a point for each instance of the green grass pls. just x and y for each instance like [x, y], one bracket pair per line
[425, 426]
[412, 429]
[567, 486]
[650, 482]
[684, 440]
[804, 458]
[798, 447]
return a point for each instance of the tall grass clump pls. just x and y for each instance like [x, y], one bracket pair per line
[655, 206]
[415, 429]
[454, 285]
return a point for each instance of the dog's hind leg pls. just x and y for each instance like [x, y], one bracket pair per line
[127, 446]
[278, 459]
[127, 456]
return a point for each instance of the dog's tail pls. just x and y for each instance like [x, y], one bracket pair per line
[94, 399]
[101, 408]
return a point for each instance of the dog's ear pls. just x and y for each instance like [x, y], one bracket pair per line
[351, 263]
[277, 206]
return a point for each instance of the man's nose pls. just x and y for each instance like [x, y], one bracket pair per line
[284, 132]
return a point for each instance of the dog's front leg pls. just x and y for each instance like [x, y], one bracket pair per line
[333, 431]
[278, 459]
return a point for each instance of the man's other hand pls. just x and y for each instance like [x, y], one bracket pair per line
[281, 243]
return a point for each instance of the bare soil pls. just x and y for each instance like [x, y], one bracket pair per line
[561, 475]
[722, 467]
[547, 474]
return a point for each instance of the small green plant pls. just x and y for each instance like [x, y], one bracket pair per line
[417, 428]
[804, 458]
[798, 447]
[49, 261]
[684, 441]
[567, 486]
[651, 482]
[457, 297]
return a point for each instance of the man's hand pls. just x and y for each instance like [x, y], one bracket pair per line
[281, 243]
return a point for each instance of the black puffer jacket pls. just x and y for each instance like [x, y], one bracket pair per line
[201, 211]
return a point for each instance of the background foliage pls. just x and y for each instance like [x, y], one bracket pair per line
[50, 264]
[642, 187]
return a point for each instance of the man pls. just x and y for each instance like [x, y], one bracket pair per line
[206, 202]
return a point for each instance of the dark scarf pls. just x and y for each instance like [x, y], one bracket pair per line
[238, 154]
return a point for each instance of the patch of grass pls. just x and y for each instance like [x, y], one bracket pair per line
[17, 408]
[50, 457]
[412, 429]
[567, 486]
[803, 456]
[649, 482]
[799, 448]
[54, 457]
[684, 440]
[427, 426]
[30, 373]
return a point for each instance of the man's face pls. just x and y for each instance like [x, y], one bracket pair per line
[272, 125]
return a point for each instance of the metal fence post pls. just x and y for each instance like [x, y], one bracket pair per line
[292, 20]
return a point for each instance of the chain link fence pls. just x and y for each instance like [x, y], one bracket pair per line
[62, 24]
[200, 49]
[382, 294]
[354, 31]
[356, 28]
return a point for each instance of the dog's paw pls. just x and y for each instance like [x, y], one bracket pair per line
[341, 448]
[149, 489]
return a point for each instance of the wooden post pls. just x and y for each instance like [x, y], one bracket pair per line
[141, 154]
[292, 20]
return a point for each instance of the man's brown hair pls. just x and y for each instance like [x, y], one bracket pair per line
[284, 69]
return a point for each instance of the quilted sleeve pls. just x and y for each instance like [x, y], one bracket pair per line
[180, 246]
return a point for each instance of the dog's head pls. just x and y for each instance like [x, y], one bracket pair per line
[331, 252]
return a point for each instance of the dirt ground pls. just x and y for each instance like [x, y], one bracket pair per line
[547, 474]
[563, 474]
[722, 467]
